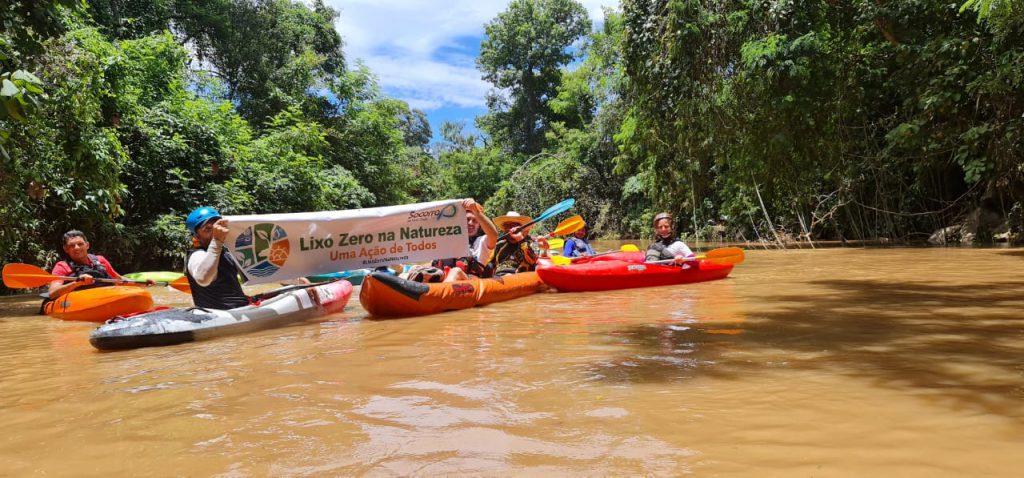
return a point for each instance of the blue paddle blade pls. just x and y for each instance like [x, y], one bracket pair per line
[556, 209]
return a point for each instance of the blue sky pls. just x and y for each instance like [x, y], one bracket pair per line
[424, 52]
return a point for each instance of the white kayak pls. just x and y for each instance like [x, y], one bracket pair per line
[176, 326]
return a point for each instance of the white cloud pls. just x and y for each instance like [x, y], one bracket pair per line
[423, 52]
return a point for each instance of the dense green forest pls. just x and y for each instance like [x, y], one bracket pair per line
[751, 120]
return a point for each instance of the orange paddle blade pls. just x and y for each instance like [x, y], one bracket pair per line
[181, 284]
[24, 276]
[569, 226]
[725, 255]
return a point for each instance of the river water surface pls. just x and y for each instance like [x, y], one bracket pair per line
[828, 362]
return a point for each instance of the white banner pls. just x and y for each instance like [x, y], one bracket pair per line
[275, 247]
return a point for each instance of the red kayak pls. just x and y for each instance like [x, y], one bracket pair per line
[600, 273]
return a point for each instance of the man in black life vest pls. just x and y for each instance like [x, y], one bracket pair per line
[211, 271]
[515, 253]
[666, 245]
[86, 267]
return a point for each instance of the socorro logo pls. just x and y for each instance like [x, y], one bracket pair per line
[438, 214]
[262, 249]
[447, 211]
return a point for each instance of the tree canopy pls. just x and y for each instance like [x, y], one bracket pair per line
[257, 114]
[764, 120]
[524, 49]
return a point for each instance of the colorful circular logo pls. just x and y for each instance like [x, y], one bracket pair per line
[262, 249]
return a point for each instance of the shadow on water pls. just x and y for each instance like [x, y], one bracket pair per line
[964, 343]
[18, 306]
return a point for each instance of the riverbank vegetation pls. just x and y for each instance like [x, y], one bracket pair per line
[748, 119]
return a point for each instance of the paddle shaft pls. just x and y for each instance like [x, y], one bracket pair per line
[18, 276]
[551, 211]
[724, 255]
[605, 253]
[97, 279]
[598, 255]
[275, 292]
[669, 261]
[521, 228]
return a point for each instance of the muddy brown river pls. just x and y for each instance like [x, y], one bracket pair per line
[823, 363]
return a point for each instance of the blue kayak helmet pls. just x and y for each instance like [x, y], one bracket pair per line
[199, 216]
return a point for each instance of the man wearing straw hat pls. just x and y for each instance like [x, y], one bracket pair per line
[516, 252]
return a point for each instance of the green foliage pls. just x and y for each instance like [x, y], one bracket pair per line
[521, 56]
[127, 139]
[860, 119]
[271, 54]
[19, 90]
[284, 170]
[831, 119]
[132, 19]
[64, 161]
[27, 24]
[454, 138]
[415, 128]
[476, 174]
[989, 8]
[366, 140]
[146, 71]
[467, 167]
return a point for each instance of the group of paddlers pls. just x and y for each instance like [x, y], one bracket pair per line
[516, 251]
[213, 274]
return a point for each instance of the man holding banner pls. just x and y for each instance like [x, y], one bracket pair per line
[212, 273]
[483, 235]
[276, 247]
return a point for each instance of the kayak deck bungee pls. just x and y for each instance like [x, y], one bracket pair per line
[175, 326]
[99, 304]
[600, 275]
[385, 295]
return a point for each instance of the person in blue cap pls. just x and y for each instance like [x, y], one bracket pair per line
[211, 271]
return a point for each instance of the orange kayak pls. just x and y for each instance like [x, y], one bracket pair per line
[99, 304]
[386, 295]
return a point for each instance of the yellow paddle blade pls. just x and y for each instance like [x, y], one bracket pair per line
[25, 276]
[561, 260]
[725, 255]
[569, 226]
[629, 248]
[556, 244]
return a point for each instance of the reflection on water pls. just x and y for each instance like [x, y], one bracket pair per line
[841, 362]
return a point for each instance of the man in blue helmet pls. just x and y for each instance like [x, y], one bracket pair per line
[212, 273]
